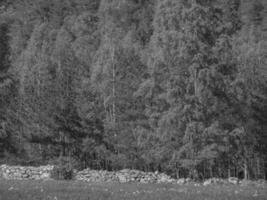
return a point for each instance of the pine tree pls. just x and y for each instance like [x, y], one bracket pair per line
[190, 68]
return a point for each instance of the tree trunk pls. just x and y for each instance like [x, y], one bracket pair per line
[196, 83]
[258, 175]
[113, 86]
[204, 171]
[246, 175]
[177, 171]
[211, 173]
[229, 170]
[220, 171]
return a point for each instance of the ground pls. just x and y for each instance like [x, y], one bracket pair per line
[71, 190]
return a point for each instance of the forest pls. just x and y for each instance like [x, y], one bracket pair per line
[175, 86]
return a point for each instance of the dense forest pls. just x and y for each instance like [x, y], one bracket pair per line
[178, 86]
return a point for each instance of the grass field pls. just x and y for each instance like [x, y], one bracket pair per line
[63, 190]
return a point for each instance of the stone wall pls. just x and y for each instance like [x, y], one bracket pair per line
[22, 173]
[88, 175]
[123, 176]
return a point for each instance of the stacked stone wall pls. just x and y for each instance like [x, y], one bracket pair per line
[88, 175]
[24, 173]
[122, 176]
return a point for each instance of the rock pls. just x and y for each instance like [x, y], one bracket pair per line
[213, 181]
[188, 180]
[233, 180]
[125, 171]
[142, 180]
[207, 182]
[181, 181]
[45, 176]
[261, 183]
[255, 194]
[122, 179]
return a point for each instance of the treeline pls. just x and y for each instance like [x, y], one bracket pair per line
[178, 86]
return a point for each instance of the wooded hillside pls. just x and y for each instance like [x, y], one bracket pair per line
[178, 86]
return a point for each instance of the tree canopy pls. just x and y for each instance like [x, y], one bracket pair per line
[178, 86]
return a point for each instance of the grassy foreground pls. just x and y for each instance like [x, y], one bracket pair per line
[63, 190]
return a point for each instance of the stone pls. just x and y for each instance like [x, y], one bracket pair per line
[181, 181]
[233, 180]
[188, 180]
[142, 180]
[45, 176]
[207, 182]
[122, 179]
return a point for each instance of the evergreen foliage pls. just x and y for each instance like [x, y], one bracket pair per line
[171, 85]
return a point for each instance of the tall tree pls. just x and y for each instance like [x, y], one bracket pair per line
[191, 66]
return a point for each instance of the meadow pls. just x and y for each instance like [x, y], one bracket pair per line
[73, 190]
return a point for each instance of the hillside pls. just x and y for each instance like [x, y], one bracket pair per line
[169, 85]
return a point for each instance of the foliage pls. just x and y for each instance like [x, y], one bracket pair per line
[169, 85]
